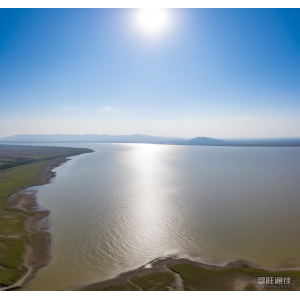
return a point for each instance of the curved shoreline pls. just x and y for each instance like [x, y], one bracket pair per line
[38, 241]
[26, 201]
[165, 264]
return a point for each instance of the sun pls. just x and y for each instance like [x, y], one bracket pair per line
[152, 20]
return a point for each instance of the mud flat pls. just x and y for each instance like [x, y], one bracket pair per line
[24, 247]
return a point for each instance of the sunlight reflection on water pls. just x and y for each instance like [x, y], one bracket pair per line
[127, 204]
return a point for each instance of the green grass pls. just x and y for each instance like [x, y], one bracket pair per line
[17, 178]
[196, 278]
[11, 252]
[158, 281]
[23, 176]
[12, 223]
[12, 219]
[10, 276]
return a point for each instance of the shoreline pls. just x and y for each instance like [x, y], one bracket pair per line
[165, 264]
[38, 241]
[38, 252]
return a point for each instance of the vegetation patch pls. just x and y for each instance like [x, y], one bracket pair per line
[158, 281]
[10, 276]
[196, 278]
[14, 179]
[12, 223]
[20, 167]
[11, 251]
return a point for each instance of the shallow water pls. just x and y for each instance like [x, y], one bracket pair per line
[126, 204]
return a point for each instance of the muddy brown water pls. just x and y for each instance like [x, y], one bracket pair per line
[126, 204]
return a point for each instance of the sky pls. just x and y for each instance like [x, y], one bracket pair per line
[208, 72]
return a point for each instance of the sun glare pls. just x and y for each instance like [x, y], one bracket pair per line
[152, 21]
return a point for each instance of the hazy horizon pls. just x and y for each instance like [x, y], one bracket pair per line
[133, 134]
[220, 73]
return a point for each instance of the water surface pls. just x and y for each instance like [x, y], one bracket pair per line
[126, 204]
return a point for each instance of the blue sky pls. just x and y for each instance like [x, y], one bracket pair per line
[211, 72]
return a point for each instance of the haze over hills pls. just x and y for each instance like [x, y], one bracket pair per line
[104, 138]
[205, 141]
[138, 138]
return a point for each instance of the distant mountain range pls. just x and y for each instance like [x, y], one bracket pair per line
[138, 138]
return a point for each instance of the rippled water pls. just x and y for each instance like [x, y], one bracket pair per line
[126, 204]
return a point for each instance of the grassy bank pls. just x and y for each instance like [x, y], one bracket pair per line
[16, 178]
[170, 274]
[242, 278]
[15, 175]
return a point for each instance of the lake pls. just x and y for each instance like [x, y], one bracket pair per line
[126, 204]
